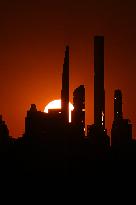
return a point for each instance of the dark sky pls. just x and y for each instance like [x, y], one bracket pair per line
[33, 35]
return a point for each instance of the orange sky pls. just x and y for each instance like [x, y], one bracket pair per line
[33, 38]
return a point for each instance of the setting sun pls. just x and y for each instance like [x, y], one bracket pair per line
[56, 104]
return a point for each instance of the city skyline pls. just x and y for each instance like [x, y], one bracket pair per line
[99, 87]
[52, 145]
[33, 37]
[37, 122]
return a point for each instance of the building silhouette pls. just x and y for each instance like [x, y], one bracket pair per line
[97, 133]
[99, 93]
[4, 132]
[65, 88]
[118, 115]
[42, 127]
[121, 132]
[78, 114]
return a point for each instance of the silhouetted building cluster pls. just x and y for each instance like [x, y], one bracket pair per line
[50, 136]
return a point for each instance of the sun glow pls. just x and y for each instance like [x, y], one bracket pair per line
[56, 104]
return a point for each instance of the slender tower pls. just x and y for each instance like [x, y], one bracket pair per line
[65, 87]
[118, 105]
[99, 93]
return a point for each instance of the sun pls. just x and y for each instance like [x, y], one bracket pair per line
[56, 104]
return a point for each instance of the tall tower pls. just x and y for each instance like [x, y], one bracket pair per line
[97, 133]
[78, 114]
[65, 87]
[99, 93]
[118, 105]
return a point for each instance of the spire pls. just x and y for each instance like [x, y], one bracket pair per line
[65, 87]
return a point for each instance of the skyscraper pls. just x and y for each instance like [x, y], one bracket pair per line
[121, 132]
[118, 105]
[99, 93]
[96, 133]
[78, 114]
[65, 87]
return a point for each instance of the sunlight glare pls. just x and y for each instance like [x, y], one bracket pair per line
[56, 104]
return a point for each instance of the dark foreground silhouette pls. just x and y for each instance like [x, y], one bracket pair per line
[19, 157]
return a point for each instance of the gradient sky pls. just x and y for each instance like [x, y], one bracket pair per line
[33, 35]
